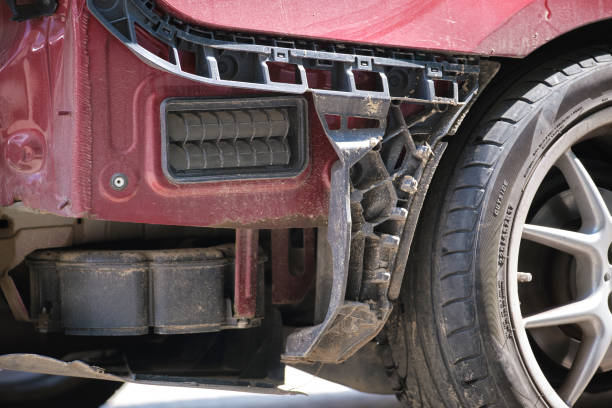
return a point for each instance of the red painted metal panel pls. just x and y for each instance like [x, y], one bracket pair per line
[35, 84]
[77, 107]
[511, 28]
[245, 281]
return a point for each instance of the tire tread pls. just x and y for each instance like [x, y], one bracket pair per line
[466, 362]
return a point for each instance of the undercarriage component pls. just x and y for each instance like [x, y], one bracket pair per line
[121, 292]
[230, 359]
[248, 276]
[384, 111]
[229, 139]
[23, 231]
[14, 299]
[364, 371]
[293, 256]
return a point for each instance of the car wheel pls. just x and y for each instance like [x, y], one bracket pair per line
[506, 297]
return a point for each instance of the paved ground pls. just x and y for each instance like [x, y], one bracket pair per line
[321, 394]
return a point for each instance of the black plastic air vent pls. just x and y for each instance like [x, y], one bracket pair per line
[229, 139]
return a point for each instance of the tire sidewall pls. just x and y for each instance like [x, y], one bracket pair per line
[531, 138]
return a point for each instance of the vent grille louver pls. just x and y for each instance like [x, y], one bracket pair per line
[233, 139]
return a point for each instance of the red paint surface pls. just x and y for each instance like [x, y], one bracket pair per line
[511, 27]
[25, 151]
[37, 61]
[76, 106]
[245, 280]
[96, 108]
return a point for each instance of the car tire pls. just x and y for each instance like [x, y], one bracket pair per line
[453, 337]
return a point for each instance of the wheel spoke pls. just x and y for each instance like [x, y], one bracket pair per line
[591, 205]
[590, 354]
[576, 312]
[571, 242]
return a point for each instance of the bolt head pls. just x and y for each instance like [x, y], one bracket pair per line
[409, 185]
[389, 241]
[423, 152]
[119, 181]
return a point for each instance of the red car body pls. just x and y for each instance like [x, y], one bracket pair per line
[87, 130]
[76, 106]
[507, 28]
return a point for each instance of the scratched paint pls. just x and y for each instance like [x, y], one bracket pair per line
[471, 26]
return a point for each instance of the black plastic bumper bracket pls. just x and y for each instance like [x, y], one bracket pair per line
[420, 97]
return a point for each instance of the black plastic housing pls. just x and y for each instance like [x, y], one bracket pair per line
[233, 139]
[133, 292]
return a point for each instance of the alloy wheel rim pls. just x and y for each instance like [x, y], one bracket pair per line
[589, 246]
